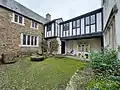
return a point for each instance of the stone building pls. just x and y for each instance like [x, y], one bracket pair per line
[21, 29]
[111, 30]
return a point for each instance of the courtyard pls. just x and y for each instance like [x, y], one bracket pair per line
[50, 74]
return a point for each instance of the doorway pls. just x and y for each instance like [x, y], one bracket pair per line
[63, 47]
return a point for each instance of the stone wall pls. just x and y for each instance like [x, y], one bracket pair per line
[10, 33]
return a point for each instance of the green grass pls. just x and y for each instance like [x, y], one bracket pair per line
[51, 74]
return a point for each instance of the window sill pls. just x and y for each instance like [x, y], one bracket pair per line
[18, 23]
[34, 28]
[29, 46]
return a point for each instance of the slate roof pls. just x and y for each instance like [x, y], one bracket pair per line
[17, 7]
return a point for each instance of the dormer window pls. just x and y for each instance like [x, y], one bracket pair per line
[34, 25]
[18, 19]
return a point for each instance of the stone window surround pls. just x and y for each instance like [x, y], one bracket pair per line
[30, 41]
[33, 27]
[13, 19]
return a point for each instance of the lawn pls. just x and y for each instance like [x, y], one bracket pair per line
[50, 74]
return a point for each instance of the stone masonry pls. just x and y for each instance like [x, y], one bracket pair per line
[10, 34]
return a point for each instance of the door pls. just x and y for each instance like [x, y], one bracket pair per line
[63, 47]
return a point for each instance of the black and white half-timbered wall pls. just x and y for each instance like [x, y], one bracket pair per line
[90, 23]
[52, 31]
[79, 35]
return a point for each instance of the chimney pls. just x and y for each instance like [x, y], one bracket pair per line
[48, 16]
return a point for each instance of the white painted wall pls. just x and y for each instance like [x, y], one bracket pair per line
[59, 48]
[53, 29]
[99, 22]
[95, 44]
[58, 27]
[82, 26]
[49, 33]
[61, 30]
[70, 28]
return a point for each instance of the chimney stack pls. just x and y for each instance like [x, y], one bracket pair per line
[48, 16]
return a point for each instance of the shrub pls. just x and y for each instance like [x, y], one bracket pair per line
[106, 68]
[101, 83]
[105, 62]
[53, 47]
[44, 46]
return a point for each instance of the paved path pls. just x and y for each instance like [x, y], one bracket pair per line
[75, 57]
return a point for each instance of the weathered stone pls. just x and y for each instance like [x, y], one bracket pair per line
[10, 34]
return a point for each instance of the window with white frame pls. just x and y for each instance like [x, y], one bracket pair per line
[34, 24]
[18, 19]
[84, 48]
[49, 27]
[87, 21]
[74, 24]
[93, 19]
[29, 40]
[66, 27]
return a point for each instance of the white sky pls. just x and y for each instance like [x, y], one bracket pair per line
[61, 8]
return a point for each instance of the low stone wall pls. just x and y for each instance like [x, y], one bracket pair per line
[80, 79]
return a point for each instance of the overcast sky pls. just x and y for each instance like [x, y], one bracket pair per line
[61, 8]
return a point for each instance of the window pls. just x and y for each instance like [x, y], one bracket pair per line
[49, 27]
[87, 21]
[84, 48]
[32, 40]
[18, 19]
[93, 19]
[34, 25]
[66, 27]
[24, 39]
[35, 40]
[29, 40]
[74, 24]
[90, 24]
[78, 23]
